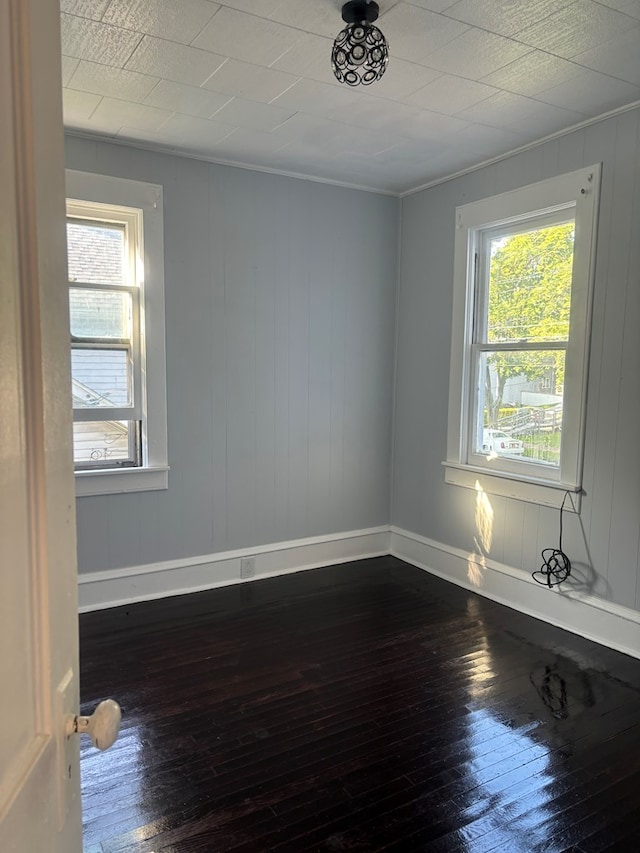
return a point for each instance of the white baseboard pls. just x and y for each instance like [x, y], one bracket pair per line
[581, 613]
[98, 590]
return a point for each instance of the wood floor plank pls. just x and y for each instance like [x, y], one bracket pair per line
[366, 707]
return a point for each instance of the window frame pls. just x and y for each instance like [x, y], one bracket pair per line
[526, 481]
[140, 205]
[130, 220]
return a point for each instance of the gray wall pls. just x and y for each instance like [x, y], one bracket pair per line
[280, 311]
[604, 542]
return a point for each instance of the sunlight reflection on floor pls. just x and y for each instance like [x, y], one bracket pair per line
[96, 774]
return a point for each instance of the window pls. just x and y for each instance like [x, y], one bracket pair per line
[522, 291]
[116, 307]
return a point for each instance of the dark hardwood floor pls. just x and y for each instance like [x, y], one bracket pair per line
[361, 707]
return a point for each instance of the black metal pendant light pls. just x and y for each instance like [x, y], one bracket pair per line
[360, 52]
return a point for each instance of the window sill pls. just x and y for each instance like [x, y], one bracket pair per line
[115, 482]
[537, 491]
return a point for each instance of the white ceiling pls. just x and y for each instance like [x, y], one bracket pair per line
[250, 82]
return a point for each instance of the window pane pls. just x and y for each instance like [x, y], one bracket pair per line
[100, 378]
[104, 443]
[100, 313]
[530, 285]
[95, 252]
[520, 402]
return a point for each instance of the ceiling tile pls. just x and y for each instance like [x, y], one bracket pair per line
[302, 156]
[414, 33]
[325, 134]
[319, 18]
[433, 5]
[402, 78]
[115, 82]
[480, 142]
[112, 110]
[85, 8]
[476, 53]
[504, 16]
[250, 81]
[619, 57]
[262, 8]
[409, 151]
[581, 26]
[189, 131]
[253, 115]
[69, 65]
[320, 148]
[246, 37]
[304, 129]
[629, 7]
[173, 61]
[507, 110]
[98, 42]
[371, 113]
[317, 98]
[167, 19]
[310, 57]
[370, 118]
[448, 94]
[247, 144]
[366, 144]
[533, 73]
[432, 127]
[78, 106]
[591, 93]
[189, 100]
[447, 162]
[544, 119]
[353, 163]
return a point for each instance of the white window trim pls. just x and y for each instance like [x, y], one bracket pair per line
[579, 188]
[153, 474]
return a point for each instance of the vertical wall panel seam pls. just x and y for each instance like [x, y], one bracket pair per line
[396, 346]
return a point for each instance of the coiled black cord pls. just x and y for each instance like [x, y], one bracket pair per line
[556, 566]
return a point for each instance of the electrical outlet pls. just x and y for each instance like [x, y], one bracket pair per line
[247, 567]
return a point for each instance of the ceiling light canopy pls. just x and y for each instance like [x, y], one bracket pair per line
[360, 52]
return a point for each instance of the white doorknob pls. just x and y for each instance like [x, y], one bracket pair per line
[102, 726]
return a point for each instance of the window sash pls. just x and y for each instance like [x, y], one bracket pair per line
[134, 456]
[133, 344]
[117, 223]
[526, 466]
[480, 247]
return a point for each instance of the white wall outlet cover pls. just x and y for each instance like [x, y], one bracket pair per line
[247, 567]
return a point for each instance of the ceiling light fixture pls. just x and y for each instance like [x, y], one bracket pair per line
[360, 52]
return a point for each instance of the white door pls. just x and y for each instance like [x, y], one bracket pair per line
[39, 770]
